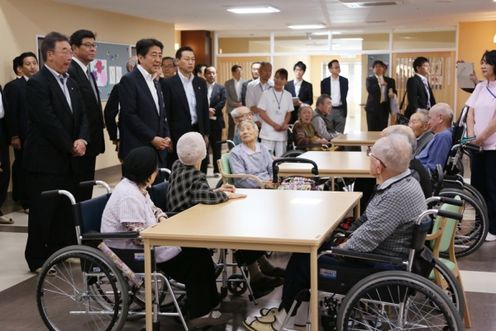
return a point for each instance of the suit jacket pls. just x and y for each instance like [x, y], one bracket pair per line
[92, 107]
[243, 91]
[325, 88]
[374, 98]
[177, 107]
[231, 95]
[417, 95]
[53, 127]
[111, 112]
[305, 94]
[3, 131]
[218, 101]
[139, 120]
[16, 108]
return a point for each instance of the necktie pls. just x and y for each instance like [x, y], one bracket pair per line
[382, 88]
[426, 85]
[159, 95]
[65, 90]
[92, 82]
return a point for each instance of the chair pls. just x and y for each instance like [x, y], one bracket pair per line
[228, 176]
[442, 241]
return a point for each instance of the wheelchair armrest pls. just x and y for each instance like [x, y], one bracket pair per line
[110, 235]
[363, 256]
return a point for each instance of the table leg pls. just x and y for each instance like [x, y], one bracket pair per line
[314, 295]
[148, 285]
[357, 210]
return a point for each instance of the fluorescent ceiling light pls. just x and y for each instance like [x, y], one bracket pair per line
[306, 26]
[326, 33]
[253, 10]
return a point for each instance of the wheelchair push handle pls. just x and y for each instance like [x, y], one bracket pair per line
[450, 214]
[55, 193]
[450, 201]
[276, 163]
[87, 183]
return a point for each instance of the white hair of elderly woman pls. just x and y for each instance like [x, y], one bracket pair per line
[250, 123]
[395, 151]
[191, 148]
[404, 130]
[240, 111]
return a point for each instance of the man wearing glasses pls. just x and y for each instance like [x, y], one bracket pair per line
[84, 51]
[56, 141]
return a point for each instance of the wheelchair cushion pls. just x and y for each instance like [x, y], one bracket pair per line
[90, 213]
[158, 194]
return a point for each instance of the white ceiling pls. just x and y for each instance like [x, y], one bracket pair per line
[212, 15]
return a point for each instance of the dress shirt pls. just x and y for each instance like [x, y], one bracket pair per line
[238, 86]
[210, 88]
[2, 109]
[190, 95]
[151, 85]
[87, 72]
[62, 81]
[383, 87]
[335, 92]
[297, 86]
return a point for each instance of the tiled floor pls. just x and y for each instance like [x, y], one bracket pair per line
[18, 309]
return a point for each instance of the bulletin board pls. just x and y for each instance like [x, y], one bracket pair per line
[108, 66]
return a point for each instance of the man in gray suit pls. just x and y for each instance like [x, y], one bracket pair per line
[233, 93]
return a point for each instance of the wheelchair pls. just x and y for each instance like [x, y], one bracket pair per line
[449, 182]
[398, 296]
[82, 288]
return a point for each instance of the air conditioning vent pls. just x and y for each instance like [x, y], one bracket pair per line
[369, 3]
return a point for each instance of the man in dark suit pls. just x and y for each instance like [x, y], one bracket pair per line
[216, 94]
[234, 88]
[16, 114]
[186, 101]
[418, 89]
[143, 121]
[56, 141]
[84, 51]
[380, 89]
[254, 76]
[337, 87]
[301, 90]
[111, 111]
[4, 159]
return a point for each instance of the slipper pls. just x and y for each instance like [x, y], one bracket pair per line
[267, 311]
[256, 325]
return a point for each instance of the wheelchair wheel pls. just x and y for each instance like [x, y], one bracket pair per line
[67, 296]
[236, 284]
[397, 300]
[450, 286]
[472, 229]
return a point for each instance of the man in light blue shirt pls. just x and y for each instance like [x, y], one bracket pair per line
[436, 152]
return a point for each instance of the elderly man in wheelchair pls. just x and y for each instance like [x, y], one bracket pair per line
[382, 239]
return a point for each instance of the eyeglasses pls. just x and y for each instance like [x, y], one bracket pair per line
[89, 45]
[369, 154]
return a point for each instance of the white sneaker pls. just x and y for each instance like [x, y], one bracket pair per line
[490, 237]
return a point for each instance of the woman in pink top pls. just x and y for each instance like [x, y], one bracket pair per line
[481, 122]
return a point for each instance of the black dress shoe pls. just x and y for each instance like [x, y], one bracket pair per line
[275, 272]
[265, 285]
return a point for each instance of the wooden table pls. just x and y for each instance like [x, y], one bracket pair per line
[367, 138]
[272, 220]
[330, 164]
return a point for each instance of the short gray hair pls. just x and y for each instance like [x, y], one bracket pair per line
[404, 130]
[394, 151]
[445, 111]
[131, 63]
[240, 111]
[248, 122]
[423, 115]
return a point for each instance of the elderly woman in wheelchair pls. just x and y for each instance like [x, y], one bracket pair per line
[131, 209]
[251, 157]
[382, 239]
